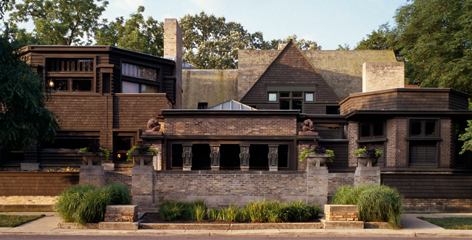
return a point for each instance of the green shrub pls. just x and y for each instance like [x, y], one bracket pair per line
[374, 203]
[169, 210]
[87, 204]
[298, 212]
[216, 214]
[172, 210]
[69, 201]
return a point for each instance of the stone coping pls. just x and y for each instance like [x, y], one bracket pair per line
[224, 172]
[230, 226]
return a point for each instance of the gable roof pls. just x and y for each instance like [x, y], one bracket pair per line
[290, 66]
[342, 70]
[231, 105]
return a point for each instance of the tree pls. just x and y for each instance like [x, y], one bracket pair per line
[23, 116]
[136, 33]
[302, 43]
[377, 40]
[60, 22]
[345, 47]
[210, 42]
[434, 36]
[466, 137]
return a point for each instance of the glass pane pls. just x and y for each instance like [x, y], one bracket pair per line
[60, 84]
[365, 130]
[297, 104]
[148, 89]
[430, 128]
[309, 97]
[415, 128]
[297, 94]
[82, 85]
[378, 129]
[272, 97]
[285, 94]
[129, 87]
[284, 104]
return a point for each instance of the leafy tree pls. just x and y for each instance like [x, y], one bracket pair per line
[23, 116]
[345, 47]
[377, 40]
[302, 43]
[3, 7]
[434, 36]
[210, 42]
[467, 135]
[136, 33]
[59, 22]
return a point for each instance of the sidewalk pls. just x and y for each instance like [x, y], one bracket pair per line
[413, 228]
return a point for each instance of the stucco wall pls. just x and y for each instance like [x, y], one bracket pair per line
[210, 86]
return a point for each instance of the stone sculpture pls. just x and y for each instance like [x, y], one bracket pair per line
[307, 128]
[215, 155]
[153, 127]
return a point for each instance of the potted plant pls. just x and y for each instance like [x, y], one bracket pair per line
[317, 156]
[142, 154]
[367, 156]
[93, 154]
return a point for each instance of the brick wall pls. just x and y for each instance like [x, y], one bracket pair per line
[135, 110]
[382, 75]
[352, 136]
[119, 176]
[250, 126]
[222, 189]
[337, 180]
[446, 153]
[36, 183]
[396, 152]
[436, 205]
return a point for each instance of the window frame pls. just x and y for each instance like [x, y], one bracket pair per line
[437, 134]
[69, 74]
[141, 81]
[69, 84]
[371, 130]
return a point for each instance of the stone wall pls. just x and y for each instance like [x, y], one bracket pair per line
[235, 187]
[210, 86]
[337, 180]
[382, 75]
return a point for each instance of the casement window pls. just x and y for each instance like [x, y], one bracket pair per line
[290, 99]
[72, 84]
[139, 79]
[423, 142]
[371, 130]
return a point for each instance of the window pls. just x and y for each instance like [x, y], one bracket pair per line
[69, 65]
[272, 97]
[423, 128]
[141, 72]
[131, 87]
[371, 130]
[70, 84]
[309, 97]
[202, 105]
[332, 110]
[291, 100]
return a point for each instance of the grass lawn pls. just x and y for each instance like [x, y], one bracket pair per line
[16, 220]
[462, 223]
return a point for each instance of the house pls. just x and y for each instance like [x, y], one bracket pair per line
[232, 153]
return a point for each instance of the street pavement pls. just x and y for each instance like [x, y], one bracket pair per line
[413, 227]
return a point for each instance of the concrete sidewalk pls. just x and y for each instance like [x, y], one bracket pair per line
[413, 228]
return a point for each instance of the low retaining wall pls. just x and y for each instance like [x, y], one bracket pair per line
[236, 187]
[436, 205]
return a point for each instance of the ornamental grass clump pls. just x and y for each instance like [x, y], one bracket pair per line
[374, 203]
[298, 212]
[172, 210]
[87, 204]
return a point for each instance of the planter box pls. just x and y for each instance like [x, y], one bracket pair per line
[364, 161]
[317, 160]
[89, 158]
[142, 159]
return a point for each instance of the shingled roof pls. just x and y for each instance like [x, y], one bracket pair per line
[342, 70]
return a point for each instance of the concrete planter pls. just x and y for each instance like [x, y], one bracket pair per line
[364, 161]
[90, 159]
[317, 159]
[142, 159]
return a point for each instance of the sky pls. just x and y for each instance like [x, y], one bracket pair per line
[328, 22]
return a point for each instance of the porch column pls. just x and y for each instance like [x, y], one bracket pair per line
[187, 157]
[273, 157]
[215, 156]
[244, 156]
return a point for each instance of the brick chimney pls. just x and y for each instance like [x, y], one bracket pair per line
[382, 75]
[173, 50]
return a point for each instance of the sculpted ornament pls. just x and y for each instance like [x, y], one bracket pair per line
[307, 128]
[153, 127]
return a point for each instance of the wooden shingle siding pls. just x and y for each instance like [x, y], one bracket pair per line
[449, 186]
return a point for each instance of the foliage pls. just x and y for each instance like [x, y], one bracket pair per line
[23, 115]
[141, 148]
[87, 204]
[265, 211]
[59, 22]
[434, 38]
[17, 220]
[371, 152]
[302, 44]
[461, 223]
[319, 150]
[345, 47]
[94, 148]
[377, 40]
[466, 137]
[136, 34]
[374, 203]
